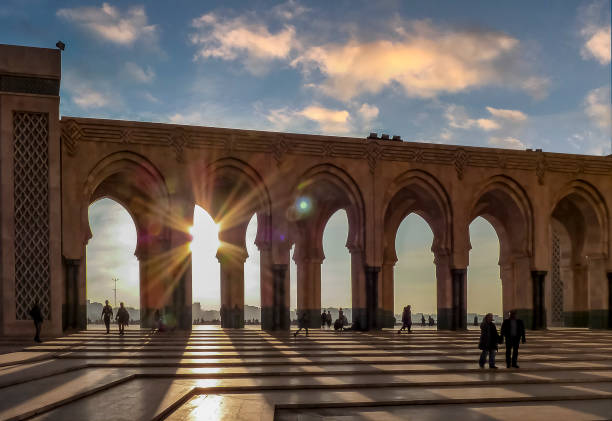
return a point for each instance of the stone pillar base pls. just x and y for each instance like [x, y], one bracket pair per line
[387, 319]
[576, 318]
[445, 318]
[598, 319]
[232, 318]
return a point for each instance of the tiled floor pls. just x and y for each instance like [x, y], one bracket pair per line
[212, 374]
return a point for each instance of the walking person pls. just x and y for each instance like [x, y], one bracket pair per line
[328, 319]
[37, 317]
[302, 322]
[123, 318]
[489, 339]
[406, 320]
[422, 320]
[323, 319]
[513, 331]
[107, 314]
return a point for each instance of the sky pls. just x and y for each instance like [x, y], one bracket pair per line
[518, 74]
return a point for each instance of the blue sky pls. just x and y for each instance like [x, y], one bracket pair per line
[503, 74]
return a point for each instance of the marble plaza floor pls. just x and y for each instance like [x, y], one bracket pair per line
[215, 374]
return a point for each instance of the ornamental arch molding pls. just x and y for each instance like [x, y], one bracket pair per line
[506, 206]
[330, 188]
[135, 183]
[417, 192]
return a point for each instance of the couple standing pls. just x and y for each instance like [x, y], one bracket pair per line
[513, 330]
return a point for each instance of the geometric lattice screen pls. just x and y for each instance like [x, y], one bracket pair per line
[31, 188]
[556, 282]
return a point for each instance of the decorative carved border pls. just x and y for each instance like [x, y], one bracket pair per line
[76, 130]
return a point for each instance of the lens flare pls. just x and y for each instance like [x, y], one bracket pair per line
[303, 205]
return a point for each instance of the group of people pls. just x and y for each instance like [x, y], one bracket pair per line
[512, 331]
[122, 317]
[326, 320]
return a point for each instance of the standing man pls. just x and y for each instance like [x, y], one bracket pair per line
[37, 317]
[123, 318]
[422, 320]
[328, 319]
[513, 330]
[107, 313]
[476, 320]
[488, 341]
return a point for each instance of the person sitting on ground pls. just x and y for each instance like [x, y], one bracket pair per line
[37, 317]
[123, 318]
[302, 322]
[107, 314]
[489, 339]
[328, 319]
[513, 331]
[406, 320]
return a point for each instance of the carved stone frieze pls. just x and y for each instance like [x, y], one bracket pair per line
[373, 153]
[540, 168]
[279, 150]
[71, 136]
[461, 161]
[178, 139]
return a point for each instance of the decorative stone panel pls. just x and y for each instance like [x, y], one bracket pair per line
[31, 198]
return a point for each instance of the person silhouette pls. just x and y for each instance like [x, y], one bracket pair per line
[406, 320]
[513, 331]
[37, 317]
[302, 322]
[107, 313]
[489, 339]
[328, 319]
[123, 318]
[422, 320]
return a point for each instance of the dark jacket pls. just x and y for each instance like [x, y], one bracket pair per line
[303, 319]
[489, 338]
[520, 329]
[36, 314]
[407, 317]
[123, 316]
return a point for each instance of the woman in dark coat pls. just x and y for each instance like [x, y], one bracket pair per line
[123, 318]
[489, 339]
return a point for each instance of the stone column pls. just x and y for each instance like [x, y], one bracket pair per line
[609, 300]
[231, 262]
[459, 282]
[74, 314]
[598, 292]
[444, 291]
[274, 293]
[539, 311]
[386, 296]
[506, 274]
[309, 287]
[152, 284]
[373, 312]
[521, 298]
[359, 289]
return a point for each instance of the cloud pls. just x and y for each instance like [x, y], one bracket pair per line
[536, 86]
[233, 39]
[151, 98]
[424, 62]
[487, 124]
[85, 96]
[330, 120]
[316, 118]
[513, 115]
[594, 20]
[110, 24]
[597, 45]
[289, 10]
[138, 73]
[506, 142]
[597, 107]
[368, 112]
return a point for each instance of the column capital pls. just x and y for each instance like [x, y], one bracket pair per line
[233, 253]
